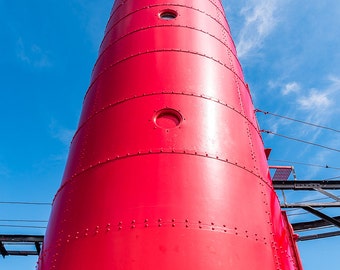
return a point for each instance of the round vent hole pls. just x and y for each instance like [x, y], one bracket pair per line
[168, 15]
[168, 118]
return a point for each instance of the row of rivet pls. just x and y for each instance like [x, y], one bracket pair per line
[160, 223]
[223, 103]
[156, 5]
[147, 224]
[247, 121]
[121, 4]
[163, 151]
[159, 51]
[157, 26]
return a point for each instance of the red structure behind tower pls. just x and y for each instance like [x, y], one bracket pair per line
[167, 169]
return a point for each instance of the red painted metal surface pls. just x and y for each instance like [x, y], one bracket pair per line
[167, 169]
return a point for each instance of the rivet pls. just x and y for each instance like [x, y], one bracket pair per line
[146, 225]
[173, 225]
[146, 220]
[159, 220]
[173, 220]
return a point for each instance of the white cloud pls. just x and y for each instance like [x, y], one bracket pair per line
[32, 55]
[260, 20]
[292, 87]
[315, 100]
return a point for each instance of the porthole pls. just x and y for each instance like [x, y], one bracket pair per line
[168, 14]
[168, 118]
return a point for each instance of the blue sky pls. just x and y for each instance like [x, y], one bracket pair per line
[290, 55]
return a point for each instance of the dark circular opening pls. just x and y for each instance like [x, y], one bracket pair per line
[168, 118]
[168, 15]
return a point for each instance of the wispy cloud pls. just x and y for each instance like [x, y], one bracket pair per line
[292, 87]
[260, 20]
[315, 100]
[64, 135]
[323, 100]
[32, 55]
[94, 18]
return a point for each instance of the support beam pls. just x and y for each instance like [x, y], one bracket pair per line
[328, 194]
[3, 250]
[316, 205]
[322, 215]
[306, 184]
[35, 240]
[309, 225]
[21, 238]
[318, 236]
[22, 253]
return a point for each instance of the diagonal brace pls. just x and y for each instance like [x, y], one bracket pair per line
[328, 194]
[322, 215]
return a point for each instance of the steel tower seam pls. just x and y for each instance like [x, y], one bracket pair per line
[221, 102]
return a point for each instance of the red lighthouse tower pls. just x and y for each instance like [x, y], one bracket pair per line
[167, 169]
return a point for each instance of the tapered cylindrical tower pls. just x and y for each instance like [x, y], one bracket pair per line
[167, 169]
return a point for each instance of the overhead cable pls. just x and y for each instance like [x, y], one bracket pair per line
[332, 178]
[27, 203]
[22, 226]
[306, 164]
[299, 140]
[299, 121]
[24, 220]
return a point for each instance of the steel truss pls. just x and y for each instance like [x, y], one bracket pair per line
[20, 240]
[325, 220]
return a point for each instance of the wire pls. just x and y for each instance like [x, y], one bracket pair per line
[22, 226]
[298, 140]
[306, 164]
[299, 121]
[332, 178]
[23, 220]
[27, 203]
